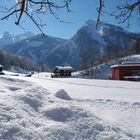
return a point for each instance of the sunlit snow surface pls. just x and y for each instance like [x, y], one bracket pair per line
[41, 107]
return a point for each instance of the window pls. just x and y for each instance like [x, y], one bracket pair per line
[135, 72]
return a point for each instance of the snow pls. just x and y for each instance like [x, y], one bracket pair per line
[95, 33]
[126, 65]
[101, 71]
[6, 38]
[93, 89]
[132, 58]
[64, 67]
[101, 31]
[41, 107]
[15, 71]
[62, 94]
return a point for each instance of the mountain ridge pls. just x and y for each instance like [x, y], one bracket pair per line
[6, 38]
[88, 44]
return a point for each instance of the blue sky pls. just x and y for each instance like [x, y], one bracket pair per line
[82, 10]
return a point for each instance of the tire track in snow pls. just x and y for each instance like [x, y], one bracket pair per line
[92, 85]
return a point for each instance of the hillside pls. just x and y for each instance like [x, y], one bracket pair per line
[10, 61]
[103, 71]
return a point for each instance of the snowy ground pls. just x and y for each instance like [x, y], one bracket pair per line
[68, 109]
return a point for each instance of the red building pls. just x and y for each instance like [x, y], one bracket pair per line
[126, 71]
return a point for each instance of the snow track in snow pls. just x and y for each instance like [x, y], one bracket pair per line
[95, 85]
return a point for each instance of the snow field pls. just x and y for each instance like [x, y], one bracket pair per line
[30, 111]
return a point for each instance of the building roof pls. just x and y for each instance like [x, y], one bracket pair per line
[1, 66]
[126, 65]
[64, 67]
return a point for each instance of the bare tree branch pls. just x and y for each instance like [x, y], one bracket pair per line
[32, 8]
[26, 7]
[7, 16]
[100, 11]
[38, 26]
[125, 11]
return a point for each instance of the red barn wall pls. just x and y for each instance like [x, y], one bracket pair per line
[119, 72]
[115, 73]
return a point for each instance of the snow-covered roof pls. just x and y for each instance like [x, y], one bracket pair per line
[64, 67]
[126, 65]
[1, 65]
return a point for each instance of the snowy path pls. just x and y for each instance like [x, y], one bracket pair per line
[99, 110]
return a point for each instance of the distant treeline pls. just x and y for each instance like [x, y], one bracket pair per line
[8, 59]
[113, 52]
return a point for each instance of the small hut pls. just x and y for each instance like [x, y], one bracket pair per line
[62, 71]
[126, 71]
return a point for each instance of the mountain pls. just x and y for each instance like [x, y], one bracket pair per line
[88, 45]
[7, 38]
[36, 47]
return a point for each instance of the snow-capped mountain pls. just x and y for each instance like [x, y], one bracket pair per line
[6, 38]
[88, 44]
[37, 47]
